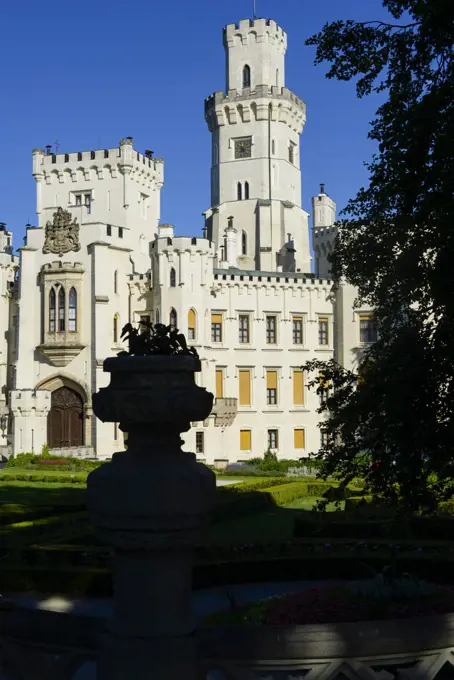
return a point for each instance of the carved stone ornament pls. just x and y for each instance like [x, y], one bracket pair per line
[62, 234]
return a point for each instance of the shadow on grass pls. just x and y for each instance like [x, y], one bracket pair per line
[251, 548]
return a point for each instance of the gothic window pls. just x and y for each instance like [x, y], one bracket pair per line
[52, 310]
[239, 191]
[115, 329]
[72, 311]
[247, 76]
[244, 243]
[191, 324]
[61, 310]
[173, 320]
[246, 190]
[273, 147]
[115, 281]
[291, 152]
[277, 76]
[173, 278]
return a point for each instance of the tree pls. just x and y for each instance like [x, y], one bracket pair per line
[396, 245]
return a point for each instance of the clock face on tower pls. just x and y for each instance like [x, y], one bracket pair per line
[243, 147]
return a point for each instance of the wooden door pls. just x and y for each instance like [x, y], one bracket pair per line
[65, 424]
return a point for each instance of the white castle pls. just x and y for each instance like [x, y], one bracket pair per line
[244, 295]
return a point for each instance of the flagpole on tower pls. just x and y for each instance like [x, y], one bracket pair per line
[253, 9]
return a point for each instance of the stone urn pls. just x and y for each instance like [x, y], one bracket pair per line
[150, 503]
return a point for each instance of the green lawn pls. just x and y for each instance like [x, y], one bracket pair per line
[42, 493]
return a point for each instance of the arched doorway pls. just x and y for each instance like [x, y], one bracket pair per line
[65, 422]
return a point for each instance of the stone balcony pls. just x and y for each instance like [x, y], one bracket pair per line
[224, 411]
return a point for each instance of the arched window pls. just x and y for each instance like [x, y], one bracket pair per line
[246, 190]
[156, 316]
[61, 310]
[52, 310]
[191, 324]
[244, 243]
[72, 311]
[247, 76]
[239, 191]
[277, 76]
[173, 278]
[273, 146]
[115, 281]
[173, 320]
[115, 329]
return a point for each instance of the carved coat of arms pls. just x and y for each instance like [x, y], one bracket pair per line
[62, 234]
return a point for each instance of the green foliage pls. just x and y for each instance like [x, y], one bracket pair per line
[45, 451]
[22, 460]
[23, 476]
[396, 245]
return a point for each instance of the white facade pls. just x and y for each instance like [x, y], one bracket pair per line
[243, 296]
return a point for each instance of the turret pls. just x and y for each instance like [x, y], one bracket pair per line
[256, 127]
[323, 231]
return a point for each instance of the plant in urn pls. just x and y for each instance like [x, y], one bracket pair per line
[150, 503]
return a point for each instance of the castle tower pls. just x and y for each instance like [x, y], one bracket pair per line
[255, 176]
[323, 230]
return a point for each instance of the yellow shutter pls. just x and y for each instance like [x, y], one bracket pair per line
[271, 380]
[298, 436]
[219, 384]
[298, 387]
[323, 381]
[245, 440]
[216, 318]
[245, 388]
[191, 319]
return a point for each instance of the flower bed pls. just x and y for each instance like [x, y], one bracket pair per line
[339, 603]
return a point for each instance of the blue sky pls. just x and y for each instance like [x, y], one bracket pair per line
[91, 72]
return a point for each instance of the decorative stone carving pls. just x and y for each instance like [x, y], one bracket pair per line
[62, 234]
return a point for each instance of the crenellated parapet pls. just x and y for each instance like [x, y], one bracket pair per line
[99, 164]
[279, 104]
[257, 31]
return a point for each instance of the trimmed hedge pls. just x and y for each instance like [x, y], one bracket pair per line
[416, 527]
[248, 498]
[71, 572]
[74, 478]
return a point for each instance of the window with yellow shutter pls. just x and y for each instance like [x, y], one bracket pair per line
[271, 388]
[323, 330]
[216, 328]
[191, 325]
[219, 383]
[298, 387]
[298, 438]
[245, 440]
[245, 387]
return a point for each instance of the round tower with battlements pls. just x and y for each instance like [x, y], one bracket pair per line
[255, 175]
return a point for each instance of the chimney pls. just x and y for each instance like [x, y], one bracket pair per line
[322, 188]
[48, 149]
[148, 153]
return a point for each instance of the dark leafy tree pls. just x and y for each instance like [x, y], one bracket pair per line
[396, 245]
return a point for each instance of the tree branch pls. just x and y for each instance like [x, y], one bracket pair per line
[382, 23]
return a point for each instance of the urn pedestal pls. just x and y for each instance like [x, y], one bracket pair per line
[150, 503]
